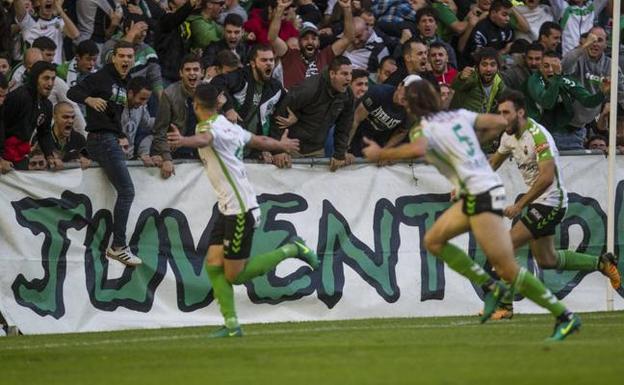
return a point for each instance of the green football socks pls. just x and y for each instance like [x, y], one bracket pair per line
[224, 293]
[529, 286]
[571, 260]
[263, 263]
[459, 261]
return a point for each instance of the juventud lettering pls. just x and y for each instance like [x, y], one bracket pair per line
[164, 241]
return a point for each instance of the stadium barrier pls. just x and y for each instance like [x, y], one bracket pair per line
[366, 223]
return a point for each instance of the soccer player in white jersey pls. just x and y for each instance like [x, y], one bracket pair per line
[449, 140]
[220, 145]
[536, 155]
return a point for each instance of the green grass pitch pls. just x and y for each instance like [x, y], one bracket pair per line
[449, 350]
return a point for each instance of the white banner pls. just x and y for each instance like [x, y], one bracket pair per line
[365, 222]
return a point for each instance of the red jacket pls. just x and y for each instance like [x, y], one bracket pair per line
[448, 76]
[260, 27]
[15, 150]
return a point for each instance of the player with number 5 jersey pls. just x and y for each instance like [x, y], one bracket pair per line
[450, 141]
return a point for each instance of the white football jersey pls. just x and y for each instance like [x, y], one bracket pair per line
[533, 146]
[453, 148]
[34, 27]
[223, 161]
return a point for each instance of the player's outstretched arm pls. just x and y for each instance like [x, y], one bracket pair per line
[265, 143]
[489, 126]
[177, 140]
[412, 150]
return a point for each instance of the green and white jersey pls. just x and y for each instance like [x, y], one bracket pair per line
[535, 145]
[453, 148]
[223, 161]
[575, 20]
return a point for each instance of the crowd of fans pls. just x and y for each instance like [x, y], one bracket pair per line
[78, 77]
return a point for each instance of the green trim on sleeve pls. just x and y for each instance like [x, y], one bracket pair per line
[542, 147]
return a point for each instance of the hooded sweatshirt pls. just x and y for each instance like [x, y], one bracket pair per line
[108, 85]
[30, 115]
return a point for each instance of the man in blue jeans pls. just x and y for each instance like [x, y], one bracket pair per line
[105, 95]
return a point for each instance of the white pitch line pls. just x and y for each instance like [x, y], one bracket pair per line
[526, 322]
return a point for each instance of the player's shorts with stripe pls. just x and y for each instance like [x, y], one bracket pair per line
[492, 201]
[235, 233]
[541, 220]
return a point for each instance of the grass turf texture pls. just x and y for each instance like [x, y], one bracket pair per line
[449, 350]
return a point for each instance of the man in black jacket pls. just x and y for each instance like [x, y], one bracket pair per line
[252, 93]
[31, 112]
[310, 109]
[105, 95]
[233, 40]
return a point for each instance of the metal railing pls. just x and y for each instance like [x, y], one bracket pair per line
[321, 161]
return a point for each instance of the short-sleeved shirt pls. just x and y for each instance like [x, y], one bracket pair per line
[383, 114]
[223, 161]
[297, 69]
[453, 148]
[535, 145]
[34, 27]
[384, 117]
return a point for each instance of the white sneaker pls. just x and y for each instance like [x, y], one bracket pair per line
[123, 255]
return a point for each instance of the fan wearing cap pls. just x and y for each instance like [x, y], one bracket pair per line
[309, 59]
[381, 116]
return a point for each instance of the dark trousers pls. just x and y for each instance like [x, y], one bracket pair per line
[104, 148]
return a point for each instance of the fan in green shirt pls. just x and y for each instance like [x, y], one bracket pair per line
[203, 26]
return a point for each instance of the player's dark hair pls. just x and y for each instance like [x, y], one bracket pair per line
[206, 96]
[515, 97]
